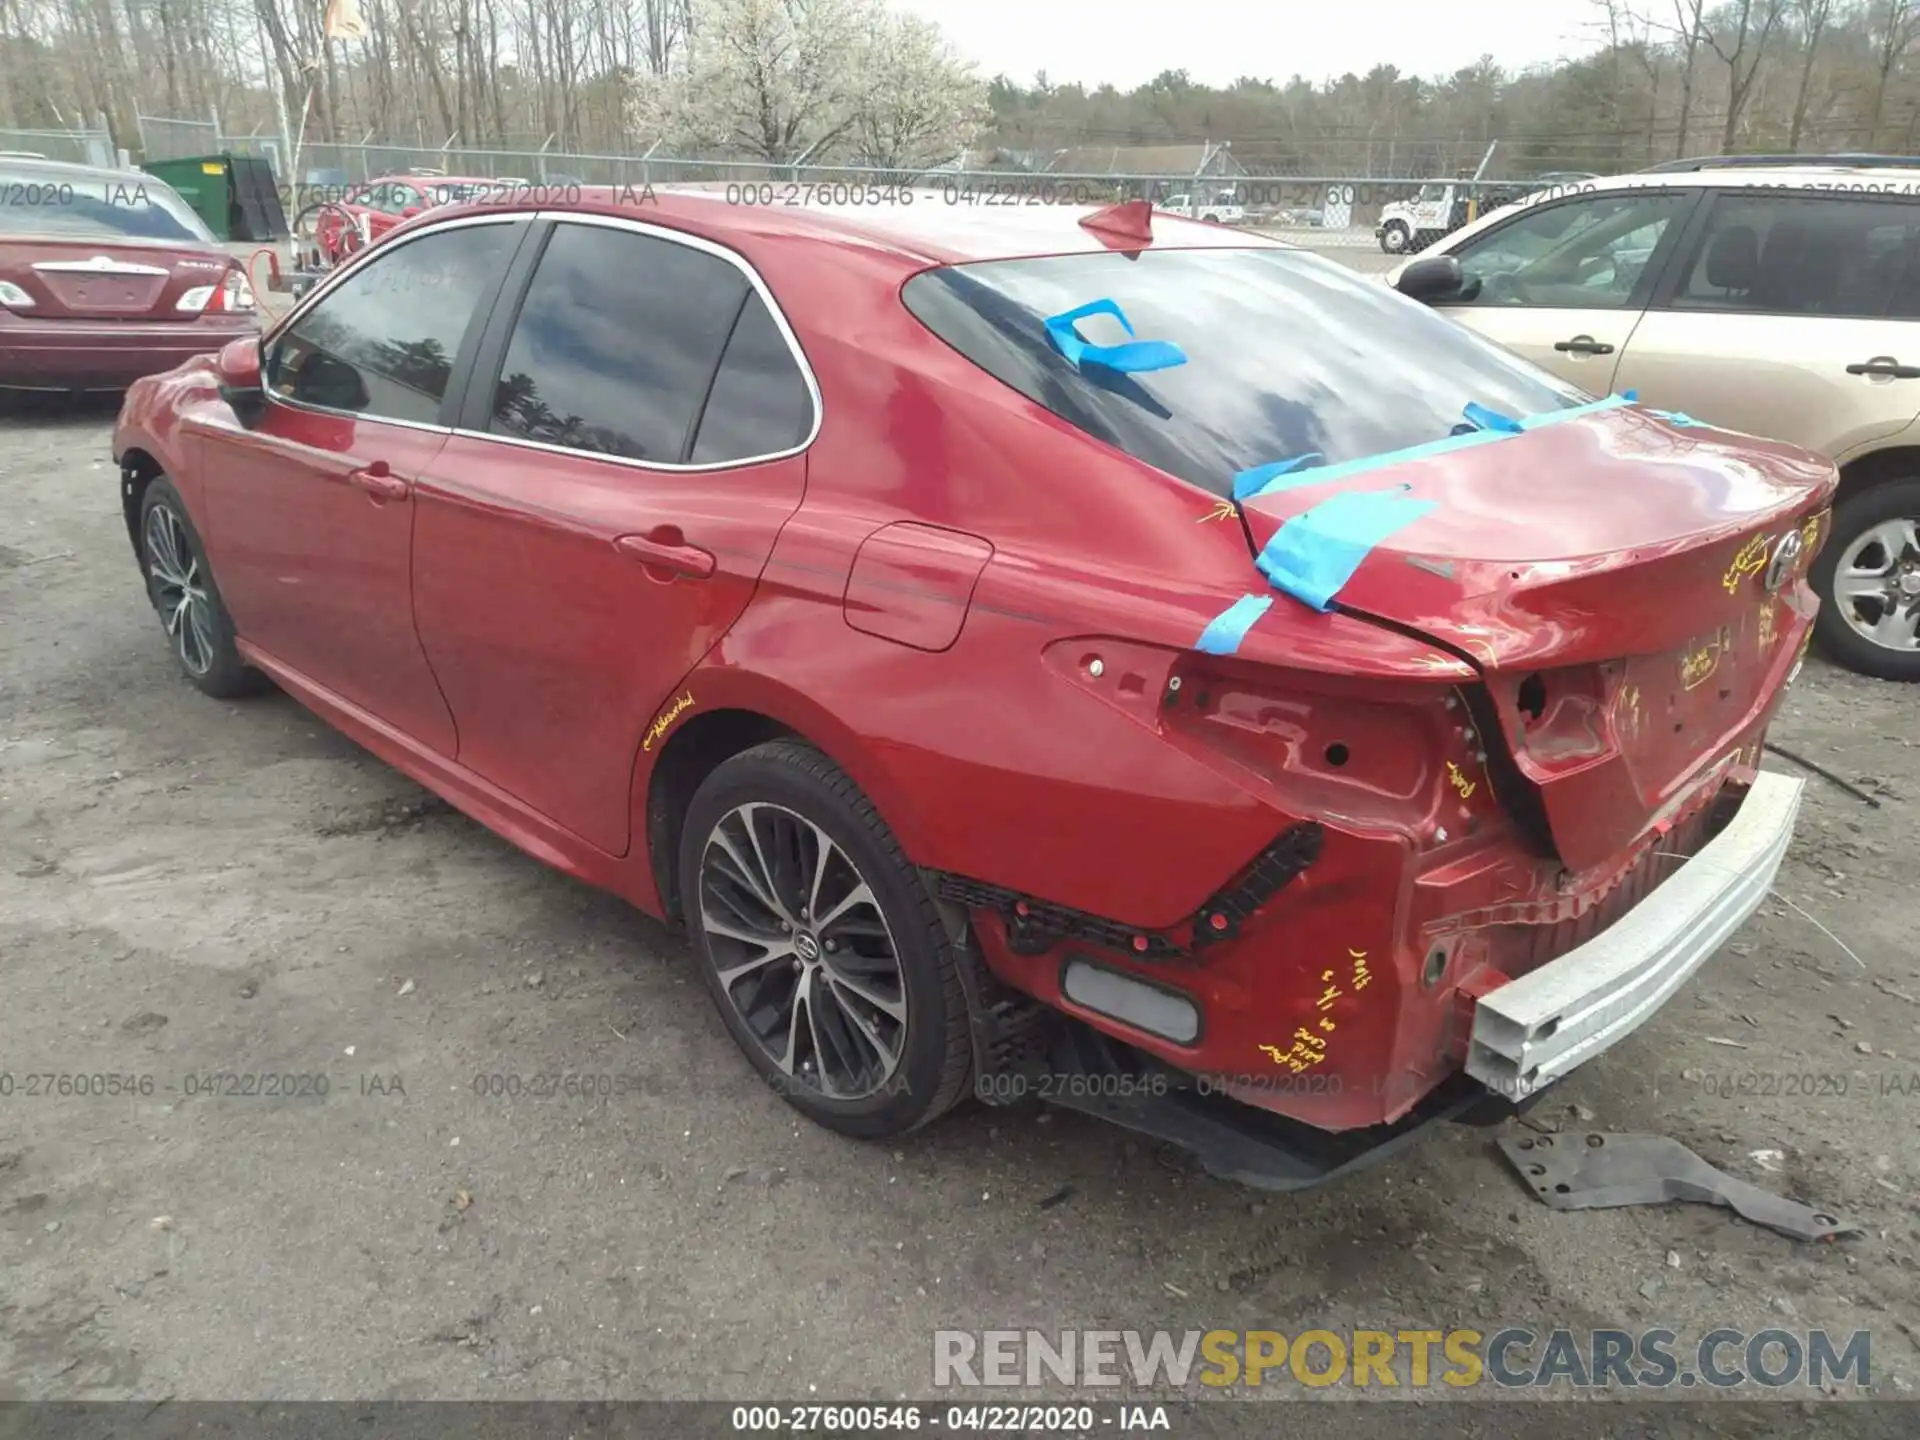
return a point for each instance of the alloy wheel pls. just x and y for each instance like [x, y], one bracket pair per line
[1876, 585]
[802, 951]
[179, 590]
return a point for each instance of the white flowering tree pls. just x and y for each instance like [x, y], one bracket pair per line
[781, 79]
[920, 105]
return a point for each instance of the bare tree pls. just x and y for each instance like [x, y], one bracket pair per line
[1752, 23]
[1813, 16]
[1689, 24]
[1893, 23]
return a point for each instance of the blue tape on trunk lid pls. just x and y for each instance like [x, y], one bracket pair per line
[1265, 479]
[1289, 474]
[1312, 556]
[1227, 629]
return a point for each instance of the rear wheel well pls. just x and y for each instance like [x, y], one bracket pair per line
[1899, 463]
[693, 753]
[138, 470]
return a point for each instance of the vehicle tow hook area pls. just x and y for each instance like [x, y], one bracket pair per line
[1592, 1171]
[1086, 1071]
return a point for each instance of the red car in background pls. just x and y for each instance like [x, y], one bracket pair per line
[1034, 652]
[105, 276]
[367, 215]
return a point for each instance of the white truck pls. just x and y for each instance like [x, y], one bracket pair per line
[1439, 209]
[1224, 211]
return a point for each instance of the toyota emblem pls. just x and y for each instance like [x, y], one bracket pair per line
[1786, 555]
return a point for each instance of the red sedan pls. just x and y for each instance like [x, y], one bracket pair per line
[105, 276]
[370, 213]
[1085, 654]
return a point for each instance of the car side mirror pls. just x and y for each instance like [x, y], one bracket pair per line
[238, 368]
[1431, 278]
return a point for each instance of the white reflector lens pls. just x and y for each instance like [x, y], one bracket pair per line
[13, 297]
[195, 300]
[1143, 1006]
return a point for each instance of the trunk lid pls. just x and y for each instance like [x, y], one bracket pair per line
[1611, 575]
[91, 279]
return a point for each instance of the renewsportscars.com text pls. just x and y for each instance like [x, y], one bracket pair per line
[1510, 1358]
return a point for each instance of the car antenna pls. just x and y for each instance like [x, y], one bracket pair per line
[1129, 220]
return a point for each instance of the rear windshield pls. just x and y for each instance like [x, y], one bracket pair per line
[84, 205]
[1287, 354]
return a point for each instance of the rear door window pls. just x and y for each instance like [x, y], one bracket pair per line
[1287, 355]
[1774, 253]
[616, 344]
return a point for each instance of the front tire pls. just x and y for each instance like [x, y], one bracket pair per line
[1868, 579]
[181, 588]
[1394, 238]
[821, 946]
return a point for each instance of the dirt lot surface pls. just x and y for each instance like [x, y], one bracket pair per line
[190, 889]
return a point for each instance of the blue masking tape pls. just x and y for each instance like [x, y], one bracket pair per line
[1481, 418]
[1264, 478]
[1314, 554]
[1293, 473]
[1133, 357]
[1227, 629]
[1674, 417]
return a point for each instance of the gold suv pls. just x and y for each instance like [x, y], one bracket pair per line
[1770, 295]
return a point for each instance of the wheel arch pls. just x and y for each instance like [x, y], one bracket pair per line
[138, 469]
[1898, 462]
[738, 710]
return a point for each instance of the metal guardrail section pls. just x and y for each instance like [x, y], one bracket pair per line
[1532, 1031]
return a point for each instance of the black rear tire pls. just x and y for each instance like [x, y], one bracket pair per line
[800, 794]
[199, 631]
[1890, 500]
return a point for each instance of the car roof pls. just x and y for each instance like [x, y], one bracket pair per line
[1719, 175]
[933, 227]
[1824, 176]
[74, 170]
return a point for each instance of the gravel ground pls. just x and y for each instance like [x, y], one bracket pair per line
[189, 888]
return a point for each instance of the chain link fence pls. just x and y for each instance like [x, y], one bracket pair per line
[1400, 208]
[162, 138]
[77, 147]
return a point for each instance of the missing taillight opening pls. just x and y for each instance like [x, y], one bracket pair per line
[1532, 697]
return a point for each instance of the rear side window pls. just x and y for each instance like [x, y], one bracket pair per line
[1799, 254]
[616, 344]
[760, 404]
[1287, 354]
[383, 342]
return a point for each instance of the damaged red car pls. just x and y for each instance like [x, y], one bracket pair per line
[1034, 652]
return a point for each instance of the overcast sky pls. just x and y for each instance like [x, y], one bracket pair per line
[1127, 42]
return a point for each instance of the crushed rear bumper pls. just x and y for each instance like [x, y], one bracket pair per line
[1532, 1031]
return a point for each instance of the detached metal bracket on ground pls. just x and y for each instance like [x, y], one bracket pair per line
[1590, 1171]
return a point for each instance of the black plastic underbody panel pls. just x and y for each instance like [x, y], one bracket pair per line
[1088, 1072]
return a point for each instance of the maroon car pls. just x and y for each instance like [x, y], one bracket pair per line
[105, 276]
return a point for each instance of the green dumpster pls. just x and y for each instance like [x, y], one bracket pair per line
[234, 194]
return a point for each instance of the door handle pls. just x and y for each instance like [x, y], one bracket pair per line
[1885, 366]
[1582, 345]
[378, 481]
[665, 548]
